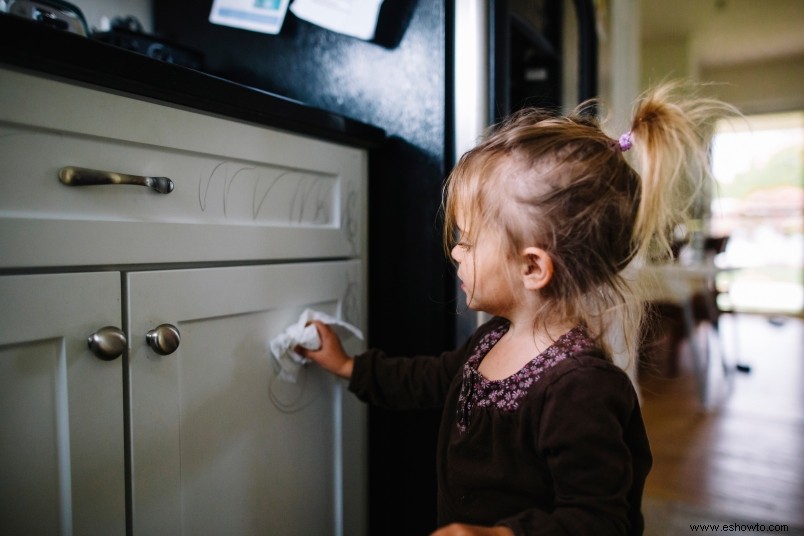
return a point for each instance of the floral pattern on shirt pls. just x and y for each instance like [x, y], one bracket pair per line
[506, 394]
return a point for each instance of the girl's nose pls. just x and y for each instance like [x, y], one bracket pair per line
[456, 253]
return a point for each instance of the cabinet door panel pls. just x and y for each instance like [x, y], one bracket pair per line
[220, 444]
[61, 408]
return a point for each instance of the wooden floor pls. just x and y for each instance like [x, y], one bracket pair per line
[740, 459]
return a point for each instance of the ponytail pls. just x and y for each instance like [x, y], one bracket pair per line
[671, 131]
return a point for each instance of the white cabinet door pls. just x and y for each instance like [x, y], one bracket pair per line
[61, 408]
[220, 444]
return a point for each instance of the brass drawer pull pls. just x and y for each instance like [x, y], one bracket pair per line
[76, 176]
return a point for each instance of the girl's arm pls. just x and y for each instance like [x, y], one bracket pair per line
[396, 382]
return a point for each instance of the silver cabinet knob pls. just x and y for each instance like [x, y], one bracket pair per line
[163, 339]
[107, 343]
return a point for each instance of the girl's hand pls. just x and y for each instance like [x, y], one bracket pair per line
[458, 529]
[331, 356]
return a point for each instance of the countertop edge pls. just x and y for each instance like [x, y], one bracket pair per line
[34, 47]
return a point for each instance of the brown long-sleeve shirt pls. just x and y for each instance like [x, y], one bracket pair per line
[558, 448]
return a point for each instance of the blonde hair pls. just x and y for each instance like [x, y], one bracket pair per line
[562, 184]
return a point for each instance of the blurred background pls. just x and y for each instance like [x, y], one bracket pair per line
[722, 384]
[752, 54]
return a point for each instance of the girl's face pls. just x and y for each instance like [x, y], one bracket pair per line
[484, 271]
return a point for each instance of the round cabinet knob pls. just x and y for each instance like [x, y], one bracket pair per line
[107, 343]
[163, 339]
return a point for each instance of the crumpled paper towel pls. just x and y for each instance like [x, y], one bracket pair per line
[288, 362]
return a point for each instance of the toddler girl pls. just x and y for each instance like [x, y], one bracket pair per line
[541, 433]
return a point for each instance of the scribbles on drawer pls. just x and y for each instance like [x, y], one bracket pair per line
[288, 196]
[229, 183]
[310, 198]
[205, 184]
[351, 223]
[259, 198]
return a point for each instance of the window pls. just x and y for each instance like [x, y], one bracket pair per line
[759, 203]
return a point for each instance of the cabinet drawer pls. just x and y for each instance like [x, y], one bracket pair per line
[241, 191]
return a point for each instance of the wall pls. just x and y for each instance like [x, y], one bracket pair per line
[620, 61]
[767, 86]
[760, 87]
[667, 59]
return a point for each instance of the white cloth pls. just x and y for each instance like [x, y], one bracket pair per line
[287, 361]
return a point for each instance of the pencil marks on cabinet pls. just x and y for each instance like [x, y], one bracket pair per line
[270, 194]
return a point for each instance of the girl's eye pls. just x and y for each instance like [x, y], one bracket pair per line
[463, 245]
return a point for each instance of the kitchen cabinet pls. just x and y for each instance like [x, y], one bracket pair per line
[216, 437]
[61, 439]
[188, 430]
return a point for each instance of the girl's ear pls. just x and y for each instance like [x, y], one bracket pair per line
[538, 268]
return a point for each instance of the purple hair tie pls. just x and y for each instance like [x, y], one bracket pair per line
[625, 141]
